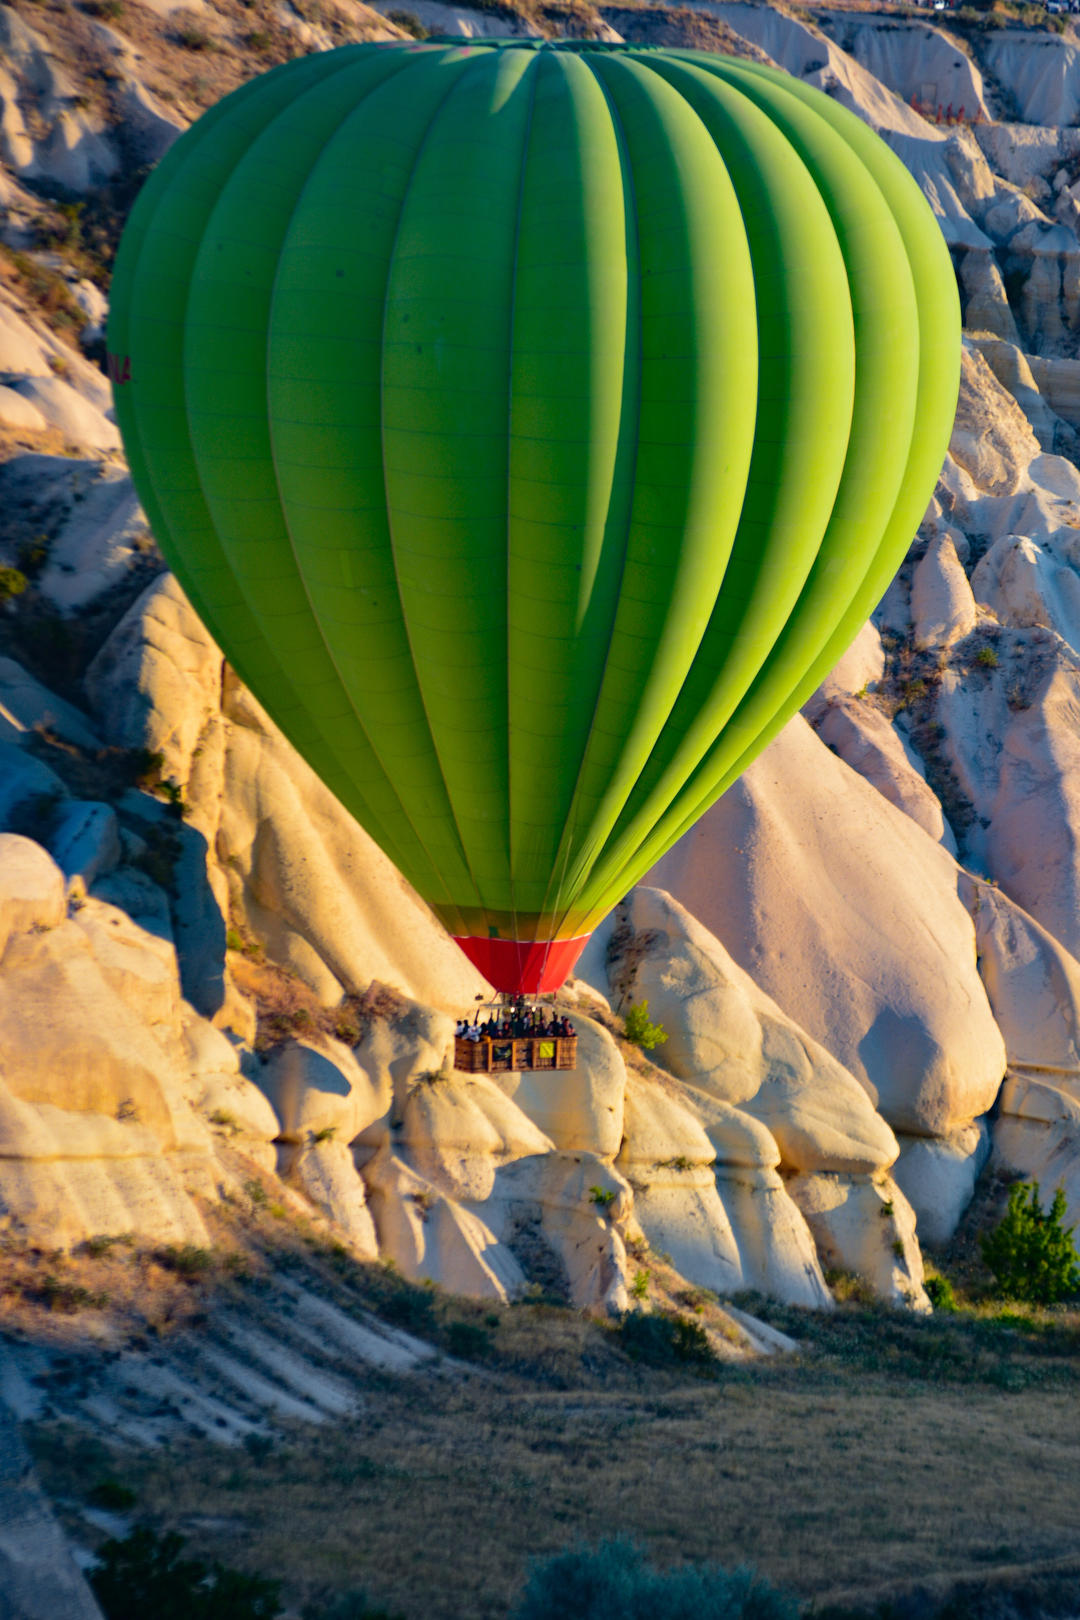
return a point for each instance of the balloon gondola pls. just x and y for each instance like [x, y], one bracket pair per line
[533, 426]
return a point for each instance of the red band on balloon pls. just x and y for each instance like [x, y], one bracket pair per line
[524, 966]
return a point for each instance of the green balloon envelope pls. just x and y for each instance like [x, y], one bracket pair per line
[533, 427]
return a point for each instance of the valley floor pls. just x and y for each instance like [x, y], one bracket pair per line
[896, 1451]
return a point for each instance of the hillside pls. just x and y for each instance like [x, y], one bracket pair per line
[866, 956]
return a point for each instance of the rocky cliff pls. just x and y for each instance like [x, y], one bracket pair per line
[867, 956]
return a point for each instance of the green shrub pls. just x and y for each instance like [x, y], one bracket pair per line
[187, 1260]
[987, 658]
[663, 1339]
[468, 1340]
[408, 23]
[1031, 1254]
[112, 1493]
[612, 1581]
[12, 583]
[939, 1291]
[640, 1030]
[143, 1577]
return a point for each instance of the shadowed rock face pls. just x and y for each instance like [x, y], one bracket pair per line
[39, 1579]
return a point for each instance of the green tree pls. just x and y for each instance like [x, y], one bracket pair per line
[640, 1030]
[1031, 1254]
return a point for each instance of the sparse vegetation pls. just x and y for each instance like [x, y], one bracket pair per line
[640, 1030]
[986, 658]
[602, 1197]
[145, 1575]
[12, 583]
[408, 23]
[614, 1579]
[1031, 1252]
[663, 1338]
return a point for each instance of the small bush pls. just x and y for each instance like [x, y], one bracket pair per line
[468, 1340]
[602, 1197]
[640, 1030]
[1031, 1254]
[612, 1581]
[111, 1493]
[408, 23]
[144, 1577]
[12, 583]
[664, 1339]
[260, 39]
[986, 658]
[940, 1293]
[194, 39]
[187, 1261]
[639, 1288]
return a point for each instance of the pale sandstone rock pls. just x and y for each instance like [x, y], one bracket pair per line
[457, 1131]
[431, 1237]
[208, 1050]
[1013, 370]
[24, 779]
[65, 409]
[777, 1255]
[1029, 583]
[581, 1109]
[738, 1139]
[325, 1173]
[986, 304]
[1031, 979]
[992, 440]
[545, 1211]
[31, 888]
[463, 21]
[27, 706]
[920, 63]
[937, 1176]
[139, 966]
[942, 606]
[862, 666]
[1043, 1142]
[21, 351]
[727, 1224]
[313, 884]
[318, 1088]
[1012, 737]
[398, 1051]
[866, 1226]
[85, 842]
[157, 680]
[19, 414]
[239, 1113]
[864, 739]
[67, 1176]
[662, 1139]
[682, 1216]
[67, 1038]
[847, 914]
[102, 531]
[729, 1040]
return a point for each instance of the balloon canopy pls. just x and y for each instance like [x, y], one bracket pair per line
[533, 426]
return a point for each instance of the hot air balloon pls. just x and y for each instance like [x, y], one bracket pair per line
[533, 425]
